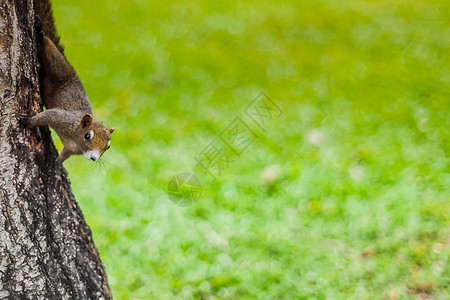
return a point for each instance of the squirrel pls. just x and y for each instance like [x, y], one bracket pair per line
[68, 110]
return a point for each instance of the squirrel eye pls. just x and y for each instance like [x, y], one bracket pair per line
[89, 135]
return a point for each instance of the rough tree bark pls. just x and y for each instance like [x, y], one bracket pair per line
[46, 247]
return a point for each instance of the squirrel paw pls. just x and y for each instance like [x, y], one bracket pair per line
[24, 119]
[59, 160]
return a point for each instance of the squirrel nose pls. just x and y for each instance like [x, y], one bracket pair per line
[93, 155]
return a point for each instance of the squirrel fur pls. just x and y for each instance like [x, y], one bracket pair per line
[68, 110]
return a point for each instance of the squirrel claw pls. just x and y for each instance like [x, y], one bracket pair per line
[24, 119]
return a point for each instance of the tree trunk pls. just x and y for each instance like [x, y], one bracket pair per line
[46, 247]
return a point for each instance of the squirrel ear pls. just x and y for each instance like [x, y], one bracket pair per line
[111, 130]
[86, 120]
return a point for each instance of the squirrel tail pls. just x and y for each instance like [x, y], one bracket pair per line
[43, 10]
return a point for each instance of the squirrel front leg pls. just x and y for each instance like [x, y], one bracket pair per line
[63, 122]
[50, 117]
[65, 154]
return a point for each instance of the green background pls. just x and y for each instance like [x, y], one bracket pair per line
[357, 206]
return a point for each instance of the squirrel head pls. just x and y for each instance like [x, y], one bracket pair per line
[94, 137]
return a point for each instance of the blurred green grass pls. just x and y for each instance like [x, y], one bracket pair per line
[360, 209]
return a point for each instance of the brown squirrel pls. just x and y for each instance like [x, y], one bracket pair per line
[68, 110]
